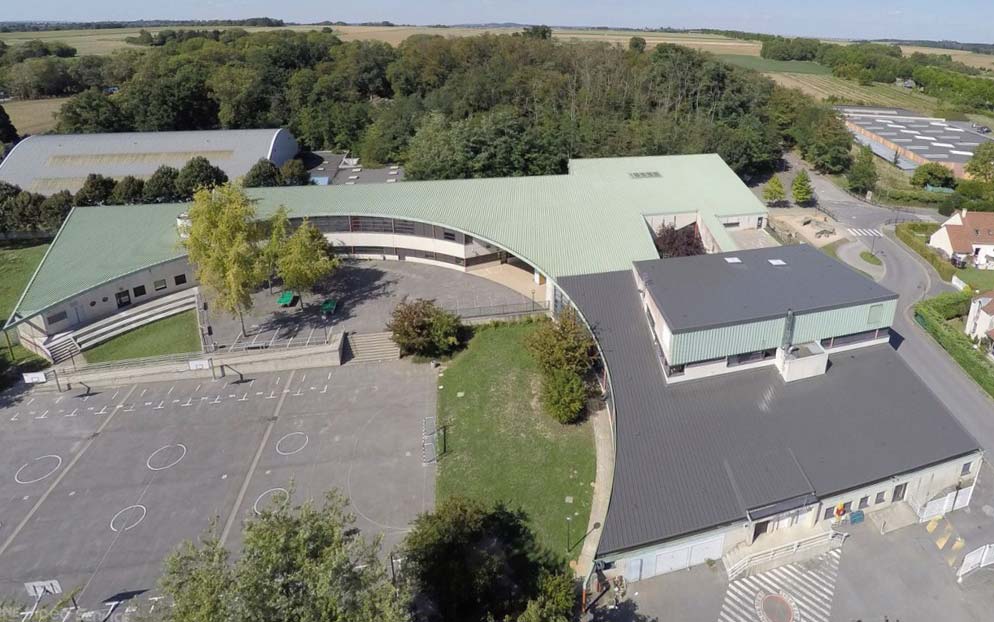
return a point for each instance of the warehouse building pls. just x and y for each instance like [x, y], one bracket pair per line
[50, 163]
[820, 417]
[915, 139]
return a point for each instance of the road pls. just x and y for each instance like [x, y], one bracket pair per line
[912, 279]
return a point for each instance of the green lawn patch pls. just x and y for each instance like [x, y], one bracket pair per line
[13, 365]
[500, 445]
[173, 335]
[765, 65]
[17, 263]
[934, 316]
[870, 258]
[982, 280]
[832, 250]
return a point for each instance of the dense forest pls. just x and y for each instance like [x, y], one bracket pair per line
[446, 107]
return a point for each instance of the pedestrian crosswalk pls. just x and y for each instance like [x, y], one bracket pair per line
[866, 233]
[798, 591]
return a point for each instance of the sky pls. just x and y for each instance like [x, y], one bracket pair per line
[962, 20]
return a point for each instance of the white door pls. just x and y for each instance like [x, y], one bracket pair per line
[672, 559]
[684, 555]
[709, 549]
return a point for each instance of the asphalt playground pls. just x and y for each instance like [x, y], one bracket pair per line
[97, 488]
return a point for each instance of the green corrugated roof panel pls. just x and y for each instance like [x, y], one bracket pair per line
[589, 221]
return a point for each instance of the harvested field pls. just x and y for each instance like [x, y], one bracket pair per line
[846, 91]
[984, 61]
[34, 116]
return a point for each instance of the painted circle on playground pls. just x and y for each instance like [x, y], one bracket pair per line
[38, 469]
[776, 607]
[273, 494]
[128, 518]
[166, 457]
[291, 443]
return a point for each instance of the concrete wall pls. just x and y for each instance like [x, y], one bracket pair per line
[100, 302]
[978, 321]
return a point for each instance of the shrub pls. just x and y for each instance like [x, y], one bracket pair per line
[198, 173]
[564, 395]
[161, 186]
[294, 173]
[933, 174]
[563, 345]
[96, 190]
[129, 190]
[263, 174]
[912, 234]
[684, 242]
[421, 327]
[931, 314]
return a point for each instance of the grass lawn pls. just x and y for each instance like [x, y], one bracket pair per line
[17, 264]
[978, 279]
[870, 258]
[502, 447]
[765, 65]
[174, 335]
[832, 250]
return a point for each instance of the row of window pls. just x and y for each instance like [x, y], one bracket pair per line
[123, 299]
[881, 497]
[845, 340]
[404, 253]
[373, 224]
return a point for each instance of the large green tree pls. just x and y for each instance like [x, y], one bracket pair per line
[801, 188]
[96, 190]
[8, 133]
[306, 259]
[128, 191]
[981, 165]
[198, 173]
[263, 174]
[275, 246]
[773, 192]
[862, 176]
[305, 564]
[161, 186]
[90, 112]
[933, 174]
[221, 244]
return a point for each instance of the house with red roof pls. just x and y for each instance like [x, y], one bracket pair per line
[967, 237]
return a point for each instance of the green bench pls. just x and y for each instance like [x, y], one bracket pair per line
[328, 306]
[286, 299]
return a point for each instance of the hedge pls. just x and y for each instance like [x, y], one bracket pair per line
[932, 315]
[910, 233]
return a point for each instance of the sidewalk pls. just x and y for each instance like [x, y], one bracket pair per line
[849, 252]
[604, 447]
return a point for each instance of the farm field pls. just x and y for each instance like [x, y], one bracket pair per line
[764, 65]
[825, 86]
[984, 61]
[106, 41]
[33, 116]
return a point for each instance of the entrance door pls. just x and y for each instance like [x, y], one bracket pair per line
[899, 492]
[760, 528]
[123, 299]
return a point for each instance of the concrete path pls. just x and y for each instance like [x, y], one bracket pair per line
[850, 252]
[604, 479]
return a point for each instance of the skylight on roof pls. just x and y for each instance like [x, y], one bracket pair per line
[644, 174]
[777, 262]
[732, 260]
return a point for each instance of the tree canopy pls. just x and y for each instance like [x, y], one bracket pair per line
[305, 259]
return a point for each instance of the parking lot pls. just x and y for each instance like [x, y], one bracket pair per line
[96, 489]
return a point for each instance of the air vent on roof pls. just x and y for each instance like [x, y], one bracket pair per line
[777, 262]
[733, 260]
[644, 174]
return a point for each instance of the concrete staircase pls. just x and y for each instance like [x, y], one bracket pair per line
[370, 347]
[62, 347]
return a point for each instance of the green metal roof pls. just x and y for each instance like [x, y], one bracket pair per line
[589, 221]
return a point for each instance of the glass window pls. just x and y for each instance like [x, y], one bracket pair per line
[829, 513]
[847, 507]
[404, 227]
[876, 312]
[180, 279]
[864, 502]
[159, 285]
[967, 467]
[55, 318]
[899, 492]
[881, 497]
[139, 291]
[449, 235]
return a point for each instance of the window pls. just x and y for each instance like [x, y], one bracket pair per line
[731, 224]
[829, 513]
[864, 502]
[449, 235]
[881, 497]
[123, 299]
[159, 285]
[967, 467]
[139, 291]
[55, 318]
[876, 312]
[180, 279]
[899, 491]
[847, 507]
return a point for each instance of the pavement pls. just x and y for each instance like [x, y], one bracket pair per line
[97, 488]
[367, 292]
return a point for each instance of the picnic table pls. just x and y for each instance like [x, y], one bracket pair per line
[286, 299]
[328, 306]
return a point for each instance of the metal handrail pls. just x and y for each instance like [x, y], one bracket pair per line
[783, 550]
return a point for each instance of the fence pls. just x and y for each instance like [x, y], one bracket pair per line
[504, 310]
[831, 537]
[975, 560]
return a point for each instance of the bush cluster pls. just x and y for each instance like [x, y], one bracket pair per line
[910, 233]
[420, 327]
[564, 351]
[932, 315]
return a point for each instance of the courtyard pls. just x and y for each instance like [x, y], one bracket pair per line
[97, 488]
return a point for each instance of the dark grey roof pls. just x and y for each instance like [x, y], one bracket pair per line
[706, 291]
[700, 454]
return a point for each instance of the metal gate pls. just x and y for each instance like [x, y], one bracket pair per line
[955, 500]
[975, 560]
